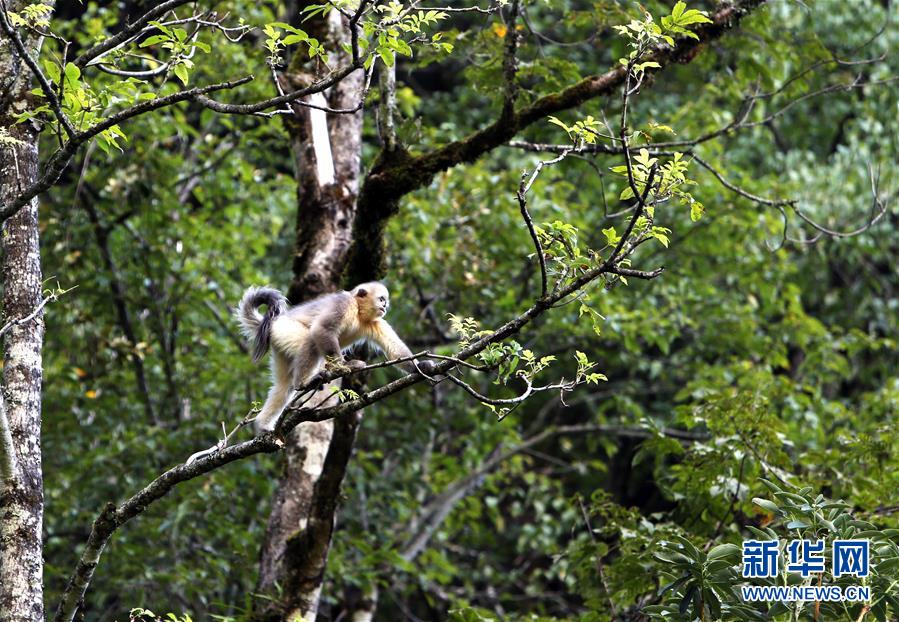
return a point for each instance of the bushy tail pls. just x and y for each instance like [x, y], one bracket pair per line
[254, 325]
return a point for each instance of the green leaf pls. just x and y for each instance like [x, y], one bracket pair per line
[180, 70]
[295, 38]
[723, 550]
[556, 121]
[402, 47]
[696, 211]
[72, 73]
[52, 70]
[153, 40]
[766, 504]
[386, 55]
[693, 17]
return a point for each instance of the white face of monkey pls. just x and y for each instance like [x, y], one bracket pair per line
[373, 300]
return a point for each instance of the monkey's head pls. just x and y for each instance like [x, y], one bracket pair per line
[373, 300]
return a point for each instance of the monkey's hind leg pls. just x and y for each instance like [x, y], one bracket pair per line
[278, 395]
[305, 369]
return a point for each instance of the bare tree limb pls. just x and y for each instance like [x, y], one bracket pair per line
[291, 97]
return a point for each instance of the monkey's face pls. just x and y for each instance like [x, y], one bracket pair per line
[373, 300]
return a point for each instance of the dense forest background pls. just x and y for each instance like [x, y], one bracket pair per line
[765, 352]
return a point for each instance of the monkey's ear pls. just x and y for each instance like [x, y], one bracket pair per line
[361, 293]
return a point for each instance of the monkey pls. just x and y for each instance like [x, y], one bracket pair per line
[305, 336]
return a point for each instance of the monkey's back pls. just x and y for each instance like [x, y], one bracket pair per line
[290, 330]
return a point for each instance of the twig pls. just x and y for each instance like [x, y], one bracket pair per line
[489, 400]
[467, 9]
[638, 211]
[24, 320]
[291, 97]
[523, 189]
[743, 193]
[227, 436]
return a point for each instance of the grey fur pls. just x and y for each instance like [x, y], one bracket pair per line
[254, 325]
[304, 337]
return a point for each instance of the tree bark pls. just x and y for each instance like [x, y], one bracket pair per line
[21, 489]
[327, 150]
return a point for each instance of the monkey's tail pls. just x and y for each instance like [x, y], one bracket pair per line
[255, 325]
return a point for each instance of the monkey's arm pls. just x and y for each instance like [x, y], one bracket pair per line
[383, 334]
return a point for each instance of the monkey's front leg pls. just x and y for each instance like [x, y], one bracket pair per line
[339, 365]
[334, 367]
[326, 340]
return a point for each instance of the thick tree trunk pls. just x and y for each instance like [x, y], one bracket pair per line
[327, 149]
[21, 488]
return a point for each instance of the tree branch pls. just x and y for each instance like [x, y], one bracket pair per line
[60, 159]
[392, 178]
[114, 517]
[133, 29]
[470, 148]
